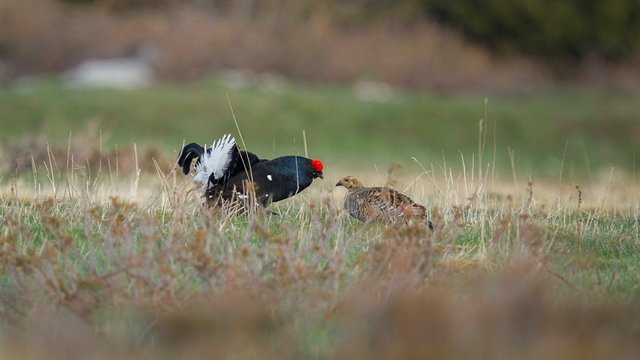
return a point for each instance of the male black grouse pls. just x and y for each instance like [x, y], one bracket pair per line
[380, 203]
[227, 173]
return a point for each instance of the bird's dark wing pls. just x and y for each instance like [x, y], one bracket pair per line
[241, 191]
[188, 153]
[268, 181]
[241, 161]
[245, 160]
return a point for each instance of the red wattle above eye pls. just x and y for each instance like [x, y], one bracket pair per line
[317, 164]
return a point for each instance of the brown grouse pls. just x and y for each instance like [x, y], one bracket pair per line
[380, 203]
[229, 174]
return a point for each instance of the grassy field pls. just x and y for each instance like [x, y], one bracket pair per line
[104, 257]
[570, 131]
[101, 272]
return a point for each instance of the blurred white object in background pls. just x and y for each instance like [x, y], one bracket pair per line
[245, 78]
[129, 72]
[372, 91]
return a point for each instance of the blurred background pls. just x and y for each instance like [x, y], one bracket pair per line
[543, 87]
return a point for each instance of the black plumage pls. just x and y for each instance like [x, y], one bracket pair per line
[234, 175]
[241, 161]
[269, 181]
[187, 155]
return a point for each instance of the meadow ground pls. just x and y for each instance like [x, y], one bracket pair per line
[559, 133]
[109, 253]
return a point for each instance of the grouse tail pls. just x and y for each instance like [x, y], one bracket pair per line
[215, 162]
[188, 153]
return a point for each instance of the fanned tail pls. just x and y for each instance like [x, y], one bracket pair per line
[215, 161]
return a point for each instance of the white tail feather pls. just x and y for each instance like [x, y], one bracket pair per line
[215, 161]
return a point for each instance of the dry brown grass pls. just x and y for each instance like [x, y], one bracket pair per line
[84, 155]
[142, 270]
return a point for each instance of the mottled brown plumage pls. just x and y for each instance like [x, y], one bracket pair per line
[380, 203]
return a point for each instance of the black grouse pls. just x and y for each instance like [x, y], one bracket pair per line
[380, 203]
[217, 163]
[229, 174]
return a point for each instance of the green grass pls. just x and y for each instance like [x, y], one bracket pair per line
[576, 131]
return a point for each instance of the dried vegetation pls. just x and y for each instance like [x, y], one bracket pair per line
[137, 267]
[189, 41]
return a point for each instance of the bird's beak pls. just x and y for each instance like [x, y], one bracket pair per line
[339, 183]
[321, 175]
